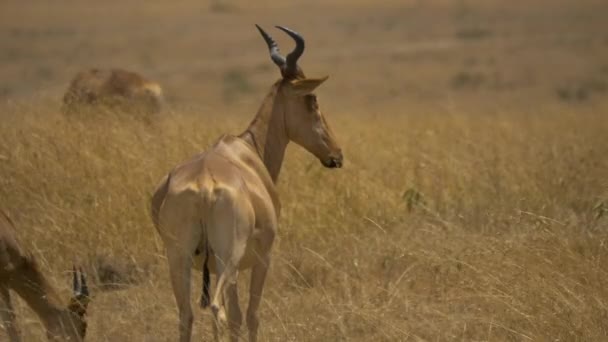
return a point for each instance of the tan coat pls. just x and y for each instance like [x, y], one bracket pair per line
[223, 203]
[118, 88]
[19, 272]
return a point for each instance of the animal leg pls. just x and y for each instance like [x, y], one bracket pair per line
[217, 305]
[180, 264]
[235, 317]
[226, 293]
[8, 315]
[179, 226]
[232, 224]
[258, 278]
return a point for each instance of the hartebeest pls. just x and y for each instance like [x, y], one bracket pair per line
[220, 208]
[118, 88]
[20, 272]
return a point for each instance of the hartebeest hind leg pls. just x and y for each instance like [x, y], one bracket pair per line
[181, 235]
[179, 268]
[8, 315]
[228, 232]
[258, 277]
[226, 297]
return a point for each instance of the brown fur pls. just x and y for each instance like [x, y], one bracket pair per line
[20, 272]
[116, 88]
[224, 202]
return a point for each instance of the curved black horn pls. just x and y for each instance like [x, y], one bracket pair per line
[75, 286]
[79, 286]
[293, 56]
[275, 55]
[84, 289]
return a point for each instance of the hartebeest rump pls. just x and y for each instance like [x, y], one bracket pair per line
[20, 272]
[224, 204]
[117, 88]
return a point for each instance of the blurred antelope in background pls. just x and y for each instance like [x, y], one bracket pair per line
[218, 211]
[115, 88]
[20, 272]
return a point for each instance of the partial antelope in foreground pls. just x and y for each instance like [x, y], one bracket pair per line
[20, 272]
[220, 208]
[117, 88]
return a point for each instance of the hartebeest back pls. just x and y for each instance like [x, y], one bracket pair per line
[20, 272]
[220, 208]
[116, 88]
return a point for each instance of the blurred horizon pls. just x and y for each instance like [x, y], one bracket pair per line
[378, 54]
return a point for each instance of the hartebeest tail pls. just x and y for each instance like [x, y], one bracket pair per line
[205, 299]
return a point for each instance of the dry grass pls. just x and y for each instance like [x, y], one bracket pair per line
[465, 211]
[504, 239]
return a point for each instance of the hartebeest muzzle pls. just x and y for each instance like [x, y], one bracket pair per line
[334, 162]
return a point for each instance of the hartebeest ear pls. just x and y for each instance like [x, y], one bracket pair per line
[305, 86]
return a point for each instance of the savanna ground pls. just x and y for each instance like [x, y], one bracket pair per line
[473, 205]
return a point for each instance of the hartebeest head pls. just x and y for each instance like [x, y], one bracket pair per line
[71, 324]
[79, 303]
[304, 123]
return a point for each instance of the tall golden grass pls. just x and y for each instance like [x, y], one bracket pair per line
[441, 226]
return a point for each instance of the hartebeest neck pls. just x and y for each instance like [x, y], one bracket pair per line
[34, 288]
[267, 132]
